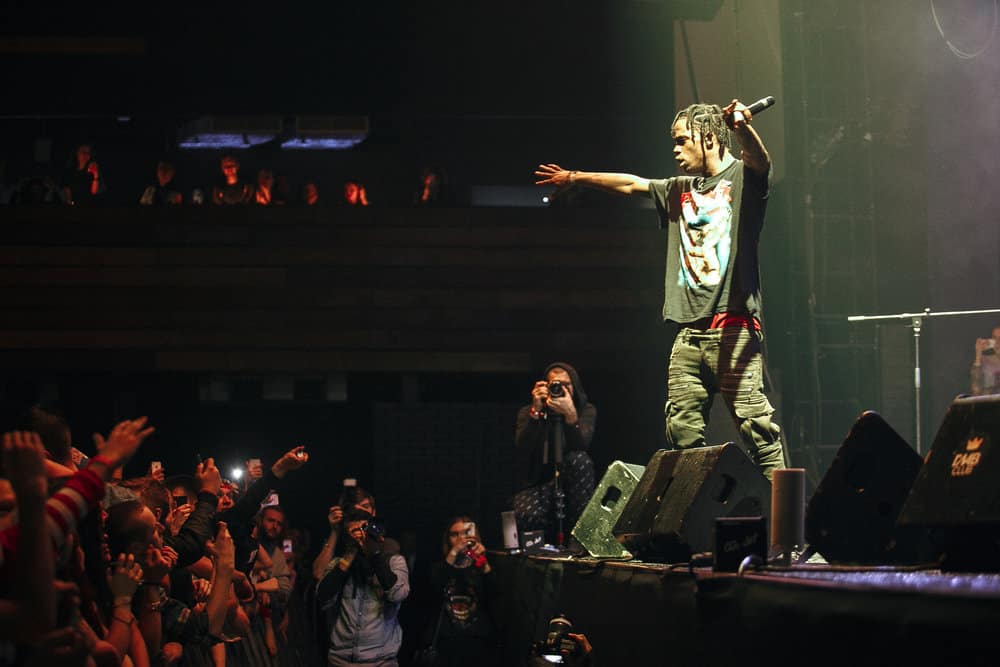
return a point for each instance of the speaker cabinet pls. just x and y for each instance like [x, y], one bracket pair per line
[593, 529]
[851, 517]
[672, 511]
[956, 495]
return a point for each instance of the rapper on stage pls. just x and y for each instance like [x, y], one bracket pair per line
[713, 215]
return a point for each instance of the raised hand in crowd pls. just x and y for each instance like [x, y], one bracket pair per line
[224, 554]
[124, 577]
[177, 517]
[78, 457]
[24, 464]
[169, 555]
[157, 565]
[208, 476]
[33, 611]
[293, 459]
[221, 548]
[120, 445]
[201, 589]
[335, 517]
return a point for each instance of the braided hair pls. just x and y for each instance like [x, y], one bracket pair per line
[706, 119]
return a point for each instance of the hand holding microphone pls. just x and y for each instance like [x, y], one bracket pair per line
[736, 116]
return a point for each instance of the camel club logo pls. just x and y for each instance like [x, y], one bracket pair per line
[965, 460]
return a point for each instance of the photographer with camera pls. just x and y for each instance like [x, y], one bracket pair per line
[554, 432]
[362, 591]
[351, 496]
[985, 373]
[562, 646]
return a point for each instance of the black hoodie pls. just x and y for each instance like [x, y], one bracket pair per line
[533, 436]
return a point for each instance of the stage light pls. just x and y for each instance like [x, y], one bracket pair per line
[236, 474]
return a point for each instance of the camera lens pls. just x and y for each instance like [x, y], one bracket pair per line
[556, 388]
[559, 627]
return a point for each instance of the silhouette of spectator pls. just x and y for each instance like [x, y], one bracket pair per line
[264, 194]
[36, 191]
[164, 191]
[355, 194]
[310, 194]
[281, 191]
[84, 183]
[232, 190]
[433, 188]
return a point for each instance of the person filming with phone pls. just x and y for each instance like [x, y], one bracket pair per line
[241, 514]
[462, 632]
[553, 434]
[985, 373]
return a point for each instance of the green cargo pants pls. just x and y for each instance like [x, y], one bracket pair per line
[726, 361]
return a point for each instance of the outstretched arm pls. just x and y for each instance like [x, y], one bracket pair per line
[624, 184]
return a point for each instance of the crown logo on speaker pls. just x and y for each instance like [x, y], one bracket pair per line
[973, 444]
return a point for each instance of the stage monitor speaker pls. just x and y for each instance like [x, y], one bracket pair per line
[593, 529]
[851, 517]
[672, 511]
[956, 495]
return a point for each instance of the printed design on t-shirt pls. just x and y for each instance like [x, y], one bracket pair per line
[461, 603]
[705, 239]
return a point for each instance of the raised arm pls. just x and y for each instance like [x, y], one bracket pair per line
[754, 153]
[334, 517]
[624, 184]
[189, 543]
[225, 558]
[32, 612]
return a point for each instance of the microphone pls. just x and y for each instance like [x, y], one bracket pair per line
[755, 108]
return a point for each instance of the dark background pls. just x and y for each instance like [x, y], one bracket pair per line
[887, 206]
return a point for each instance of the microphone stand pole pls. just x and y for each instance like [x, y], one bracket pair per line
[916, 322]
[558, 442]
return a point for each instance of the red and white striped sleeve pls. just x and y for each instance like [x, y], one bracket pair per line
[63, 511]
[70, 504]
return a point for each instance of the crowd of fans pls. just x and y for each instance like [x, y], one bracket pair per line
[84, 184]
[195, 569]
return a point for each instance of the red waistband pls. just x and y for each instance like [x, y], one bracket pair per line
[724, 321]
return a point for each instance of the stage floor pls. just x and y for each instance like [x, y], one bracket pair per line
[654, 614]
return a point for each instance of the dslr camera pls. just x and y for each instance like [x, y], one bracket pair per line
[557, 389]
[374, 531]
[557, 644]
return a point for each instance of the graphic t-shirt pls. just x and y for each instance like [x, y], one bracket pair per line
[464, 600]
[713, 226]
